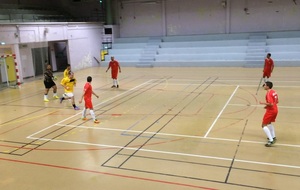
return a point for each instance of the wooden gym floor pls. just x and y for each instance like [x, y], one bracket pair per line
[164, 128]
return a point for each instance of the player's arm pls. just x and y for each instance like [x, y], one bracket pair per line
[269, 102]
[84, 90]
[63, 84]
[108, 67]
[119, 67]
[264, 65]
[74, 81]
[95, 94]
[272, 67]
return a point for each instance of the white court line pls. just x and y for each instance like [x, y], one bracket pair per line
[233, 80]
[79, 113]
[242, 85]
[169, 134]
[171, 153]
[212, 125]
[162, 152]
[258, 105]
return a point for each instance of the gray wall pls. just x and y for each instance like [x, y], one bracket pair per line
[188, 17]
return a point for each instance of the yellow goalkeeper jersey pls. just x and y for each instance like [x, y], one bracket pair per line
[70, 83]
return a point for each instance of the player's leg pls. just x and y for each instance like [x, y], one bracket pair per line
[54, 91]
[117, 83]
[271, 127]
[83, 115]
[91, 108]
[267, 120]
[94, 116]
[114, 83]
[272, 131]
[46, 95]
[73, 102]
[64, 97]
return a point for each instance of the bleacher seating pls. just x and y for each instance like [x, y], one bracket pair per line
[211, 50]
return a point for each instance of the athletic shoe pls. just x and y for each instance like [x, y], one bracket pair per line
[76, 108]
[96, 121]
[56, 97]
[84, 118]
[61, 100]
[46, 100]
[274, 140]
[269, 143]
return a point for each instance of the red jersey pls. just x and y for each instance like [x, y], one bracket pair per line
[88, 91]
[114, 65]
[88, 95]
[268, 68]
[272, 98]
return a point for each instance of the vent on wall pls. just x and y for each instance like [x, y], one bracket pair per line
[23, 46]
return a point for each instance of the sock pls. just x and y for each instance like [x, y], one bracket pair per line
[84, 113]
[114, 82]
[54, 94]
[265, 79]
[74, 105]
[45, 96]
[93, 114]
[272, 130]
[268, 133]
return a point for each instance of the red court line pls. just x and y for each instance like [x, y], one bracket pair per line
[106, 173]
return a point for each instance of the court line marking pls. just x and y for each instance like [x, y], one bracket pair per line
[250, 80]
[156, 151]
[258, 105]
[108, 173]
[220, 113]
[79, 113]
[169, 134]
[170, 153]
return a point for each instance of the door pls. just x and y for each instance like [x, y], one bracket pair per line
[40, 59]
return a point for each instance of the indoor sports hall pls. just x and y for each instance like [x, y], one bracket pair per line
[178, 94]
[163, 128]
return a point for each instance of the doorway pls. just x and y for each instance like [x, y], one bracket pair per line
[40, 59]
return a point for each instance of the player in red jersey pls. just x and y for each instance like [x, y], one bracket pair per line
[87, 96]
[271, 113]
[268, 67]
[115, 69]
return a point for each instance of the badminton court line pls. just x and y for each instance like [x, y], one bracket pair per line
[79, 113]
[258, 105]
[212, 125]
[168, 134]
[170, 153]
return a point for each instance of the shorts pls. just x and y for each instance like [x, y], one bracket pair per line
[269, 117]
[68, 95]
[49, 84]
[88, 103]
[267, 74]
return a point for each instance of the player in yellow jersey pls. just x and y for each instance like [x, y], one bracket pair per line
[67, 70]
[68, 83]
